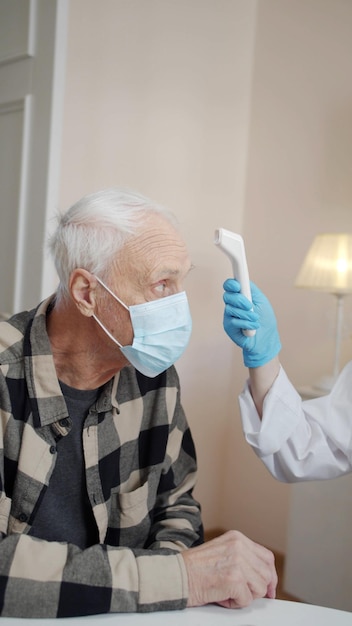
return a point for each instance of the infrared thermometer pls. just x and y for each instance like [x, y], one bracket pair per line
[233, 246]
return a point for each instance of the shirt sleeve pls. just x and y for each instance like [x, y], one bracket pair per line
[177, 523]
[301, 440]
[42, 579]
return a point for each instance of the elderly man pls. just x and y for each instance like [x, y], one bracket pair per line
[98, 463]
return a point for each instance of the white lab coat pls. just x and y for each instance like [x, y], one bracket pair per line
[302, 440]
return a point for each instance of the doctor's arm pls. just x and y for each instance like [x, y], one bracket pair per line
[296, 440]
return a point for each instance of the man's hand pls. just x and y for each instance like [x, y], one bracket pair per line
[230, 570]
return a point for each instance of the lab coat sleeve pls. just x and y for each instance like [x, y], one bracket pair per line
[301, 440]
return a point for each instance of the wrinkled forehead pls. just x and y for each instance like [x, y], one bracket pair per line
[157, 247]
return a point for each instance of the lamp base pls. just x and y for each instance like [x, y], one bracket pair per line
[325, 384]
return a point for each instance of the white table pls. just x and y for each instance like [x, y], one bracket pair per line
[260, 613]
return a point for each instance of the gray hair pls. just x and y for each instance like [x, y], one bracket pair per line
[92, 232]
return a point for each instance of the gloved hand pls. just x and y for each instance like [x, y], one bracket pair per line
[240, 314]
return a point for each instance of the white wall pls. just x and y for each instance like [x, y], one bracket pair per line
[299, 183]
[299, 177]
[234, 113]
[157, 99]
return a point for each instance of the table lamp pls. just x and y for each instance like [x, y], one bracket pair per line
[327, 267]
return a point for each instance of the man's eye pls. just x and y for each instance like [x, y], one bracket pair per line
[161, 287]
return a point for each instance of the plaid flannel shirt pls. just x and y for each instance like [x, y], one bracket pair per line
[140, 472]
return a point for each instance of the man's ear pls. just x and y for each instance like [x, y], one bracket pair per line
[82, 287]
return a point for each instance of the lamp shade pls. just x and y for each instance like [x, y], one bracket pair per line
[328, 264]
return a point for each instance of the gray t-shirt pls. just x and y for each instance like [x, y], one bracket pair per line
[65, 513]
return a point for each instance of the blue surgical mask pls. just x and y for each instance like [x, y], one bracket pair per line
[161, 329]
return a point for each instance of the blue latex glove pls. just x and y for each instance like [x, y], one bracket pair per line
[240, 314]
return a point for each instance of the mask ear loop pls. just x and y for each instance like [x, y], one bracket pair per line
[101, 323]
[106, 331]
[111, 292]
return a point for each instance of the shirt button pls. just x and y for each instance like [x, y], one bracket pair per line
[23, 517]
[52, 449]
[64, 422]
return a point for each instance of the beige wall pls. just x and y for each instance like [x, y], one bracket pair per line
[158, 99]
[299, 183]
[233, 113]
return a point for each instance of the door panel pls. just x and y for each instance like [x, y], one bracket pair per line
[32, 65]
[14, 28]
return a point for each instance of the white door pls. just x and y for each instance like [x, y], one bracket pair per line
[32, 64]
